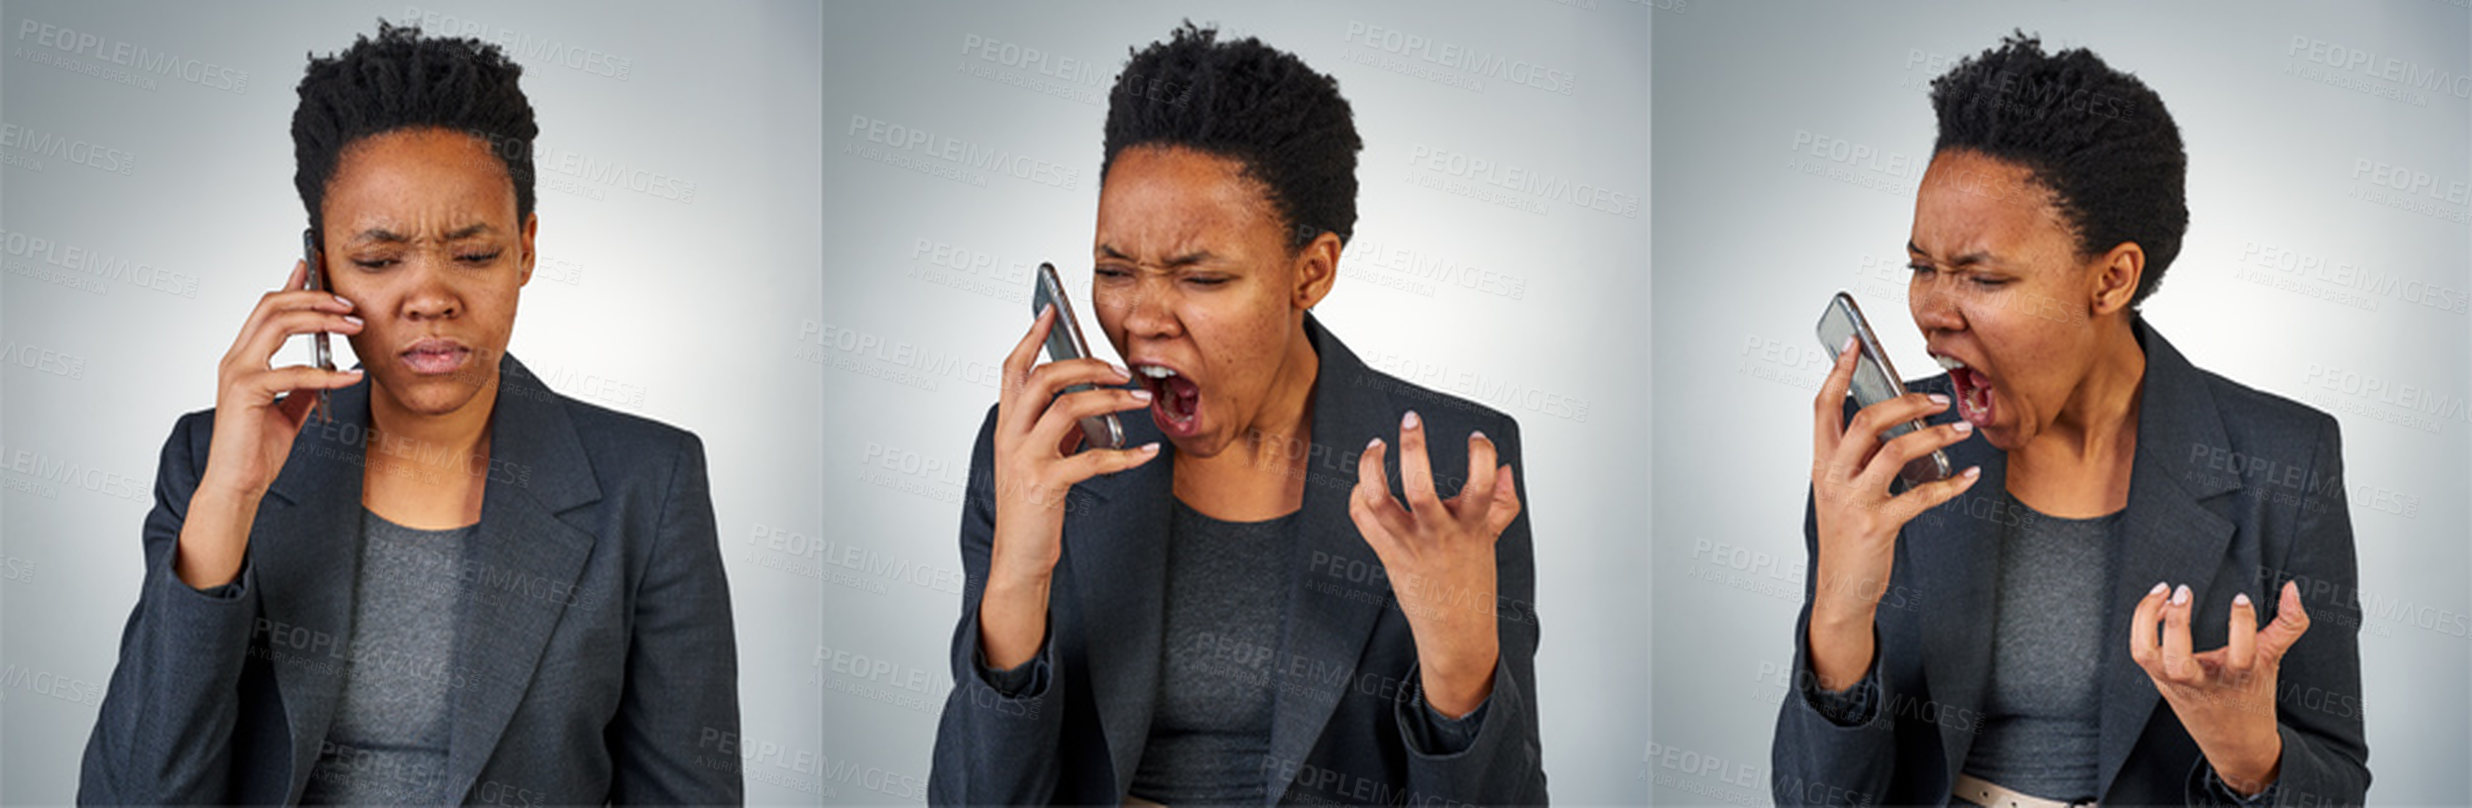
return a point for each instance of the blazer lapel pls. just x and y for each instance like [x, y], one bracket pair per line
[1958, 551]
[304, 550]
[1329, 618]
[522, 563]
[2169, 535]
[1116, 550]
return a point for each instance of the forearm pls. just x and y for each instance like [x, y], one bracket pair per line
[215, 537]
[1012, 618]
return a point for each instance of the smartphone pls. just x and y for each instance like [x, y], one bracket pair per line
[324, 409]
[1875, 380]
[1064, 341]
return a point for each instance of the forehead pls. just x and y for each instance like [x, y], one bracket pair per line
[1968, 200]
[1159, 200]
[418, 174]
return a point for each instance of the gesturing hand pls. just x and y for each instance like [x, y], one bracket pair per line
[2224, 697]
[1439, 556]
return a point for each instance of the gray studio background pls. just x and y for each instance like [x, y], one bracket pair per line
[678, 195]
[1530, 304]
[1788, 141]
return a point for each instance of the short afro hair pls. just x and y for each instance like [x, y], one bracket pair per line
[2096, 138]
[1251, 103]
[403, 80]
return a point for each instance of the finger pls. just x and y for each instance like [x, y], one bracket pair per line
[1475, 496]
[1505, 503]
[284, 325]
[1861, 440]
[1893, 456]
[1017, 364]
[1416, 467]
[2176, 663]
[2241, 649]
[297, 380]
[1828, 408]
[1373, 497]
[2143, 641]
[273, 304]
[2291, 621]
[295, 406]
[1062, 421]
[1048, 380]
[1092, 463]
[299, 278]
[1904, 507]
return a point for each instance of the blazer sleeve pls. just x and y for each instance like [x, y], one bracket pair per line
[993, 747]
[1501, 764]
[679, 712]
[164, 733]
[2318, 710]
[1817, 758]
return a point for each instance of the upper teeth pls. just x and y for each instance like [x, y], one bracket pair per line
[1154, 371]
[1948, 362]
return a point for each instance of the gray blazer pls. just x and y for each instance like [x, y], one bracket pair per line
[1345, 667]
[2232, 490]
[595, 661]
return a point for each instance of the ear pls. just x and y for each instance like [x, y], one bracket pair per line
[1317, 266]
[2116, 276]
[524, 251]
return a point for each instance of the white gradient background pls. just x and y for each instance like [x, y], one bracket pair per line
[1748, 247]
[686, 311]
[910, 348]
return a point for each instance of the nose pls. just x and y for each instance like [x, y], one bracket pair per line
[1934, 309]
[1150, 310]
[431, 296]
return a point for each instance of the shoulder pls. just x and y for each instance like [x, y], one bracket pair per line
[626, 439]
[2252, 415]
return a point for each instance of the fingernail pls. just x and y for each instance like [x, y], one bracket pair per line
[2241, 599]
[1141, 394]
[343, 300]
[1973, 472]
[1939, 399]
[1119, 369]
[1410, 421]
[1848, 346]
[1962, 426]
[1376, 443]
[2180, 595]
[1478, 435]
[351, 319]
[2159, 588]
[1150, 448]
[354, 371]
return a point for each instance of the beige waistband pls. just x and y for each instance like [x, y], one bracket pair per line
[1993, 795]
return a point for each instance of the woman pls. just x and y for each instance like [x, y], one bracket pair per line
[1217, 613]
[457, 585]
[2096, 538]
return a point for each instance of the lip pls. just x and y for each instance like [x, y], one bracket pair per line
[434, 356]
[1162, 392]
[1979, 409]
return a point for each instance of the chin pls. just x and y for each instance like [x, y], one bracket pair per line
[434, 396]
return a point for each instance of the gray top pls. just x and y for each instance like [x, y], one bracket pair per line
[1210, 728]
[2042, 729]
[388, 742]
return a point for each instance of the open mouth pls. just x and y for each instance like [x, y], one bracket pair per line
[1974, 399]
[436, 355]
[1175, 400]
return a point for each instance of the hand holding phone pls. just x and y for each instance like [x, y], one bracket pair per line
[324, 408]
[1875, 380]
[1064, 342]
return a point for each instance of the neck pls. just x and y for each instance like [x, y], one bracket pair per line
[1262, 473]
[450, 441]
[2100, 417]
